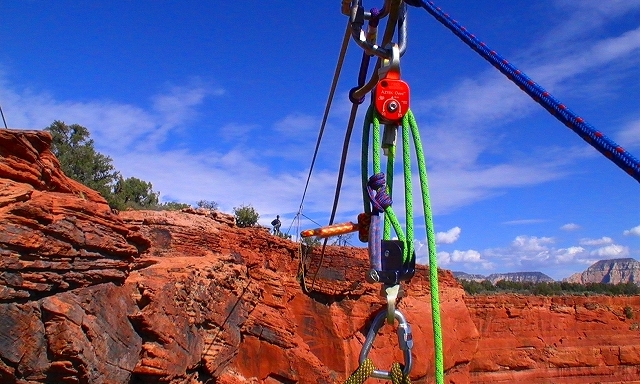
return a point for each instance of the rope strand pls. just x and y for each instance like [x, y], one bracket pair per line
[410, 121]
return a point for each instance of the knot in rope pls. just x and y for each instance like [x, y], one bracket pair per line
[380, 200]
[377, 181]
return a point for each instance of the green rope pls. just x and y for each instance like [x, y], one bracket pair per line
[409, 121]
[371, 118]
[408, 193]
[364, 159]
[376, 143]
[386, 233]
[409, 130]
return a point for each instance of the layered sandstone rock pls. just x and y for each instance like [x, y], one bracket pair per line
[566, 339]
[87, 296]
[612, 271]
[55, 234]
[252, 319]
[519, 277]
[90, 296]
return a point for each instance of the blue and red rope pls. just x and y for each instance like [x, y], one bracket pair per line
[588, 133]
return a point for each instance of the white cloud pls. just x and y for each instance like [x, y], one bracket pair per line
[635, 231]
[297, 124]
[452, 188]
[630, 134]
[448, 237]
[566, 255]
[611, 251]
[538, 250]
[129, 134]
[468, 256]
[176, 104]
[584, 16]
[570, 227]
[531, 252]
[597, 8]
[531, 243]
[486, 103]
[233, 178]
[115, 127]
[601, 241]
[234, 132]
[467, 119]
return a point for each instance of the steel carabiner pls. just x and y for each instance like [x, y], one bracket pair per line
[358, 15]
[405, 343]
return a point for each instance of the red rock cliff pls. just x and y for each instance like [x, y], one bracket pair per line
[568, 339]
[87, 296]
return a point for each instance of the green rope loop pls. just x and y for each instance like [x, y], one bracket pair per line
[386, 233]
[390, 219]
[408, 193]
[364, 158]
[409, 121]
[409, 131]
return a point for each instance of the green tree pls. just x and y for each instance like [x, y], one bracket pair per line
[79, 160]
[246, 216]
[73, 147]
[487, 286]
[628, 312]
[134, 193]
[207, 204]
[308, 244]
[172, 206]
[283, 235]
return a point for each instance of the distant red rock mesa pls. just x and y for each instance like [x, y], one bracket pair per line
[89, 296]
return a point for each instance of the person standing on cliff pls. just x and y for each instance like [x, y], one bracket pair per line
[276, 225]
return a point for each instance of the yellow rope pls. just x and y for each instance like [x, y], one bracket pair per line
[396, 375]
[364, 371]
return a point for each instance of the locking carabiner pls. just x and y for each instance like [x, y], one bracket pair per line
[405, 343]
[357, 16]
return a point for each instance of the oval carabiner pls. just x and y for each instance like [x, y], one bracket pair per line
[405, 343]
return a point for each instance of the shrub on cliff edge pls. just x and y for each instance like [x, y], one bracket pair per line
[246, 216]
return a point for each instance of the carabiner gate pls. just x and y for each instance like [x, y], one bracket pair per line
[405, 343]
[357, 16]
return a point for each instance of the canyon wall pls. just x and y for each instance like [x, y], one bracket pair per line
[92, 296]
[564, 339]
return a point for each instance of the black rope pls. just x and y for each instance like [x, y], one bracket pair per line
[3, 119]
[327, 108]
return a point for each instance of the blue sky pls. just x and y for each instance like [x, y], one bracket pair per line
[223, 101]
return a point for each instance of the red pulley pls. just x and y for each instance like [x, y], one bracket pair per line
[391, 99]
